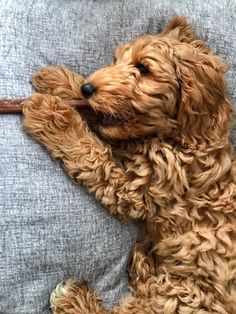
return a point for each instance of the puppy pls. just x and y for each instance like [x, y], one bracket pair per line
[160, 153]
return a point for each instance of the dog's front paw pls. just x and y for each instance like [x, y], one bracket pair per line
[47, 115]
[70, 297]
[58, 81]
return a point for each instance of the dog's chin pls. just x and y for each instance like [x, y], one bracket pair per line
[107, 120]
[114, 133]
[124, 130]
[136, 128]
[109, 126]
[132, 125]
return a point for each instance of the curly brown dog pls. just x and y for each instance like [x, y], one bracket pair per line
[159, 152]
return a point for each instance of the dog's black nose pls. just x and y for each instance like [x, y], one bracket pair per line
[88, 90]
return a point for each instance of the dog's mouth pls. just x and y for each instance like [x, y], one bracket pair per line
[108, 120]
[102, 118]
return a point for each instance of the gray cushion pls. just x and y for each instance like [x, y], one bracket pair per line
[50, 229]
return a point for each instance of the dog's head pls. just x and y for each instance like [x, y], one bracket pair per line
[170, 85]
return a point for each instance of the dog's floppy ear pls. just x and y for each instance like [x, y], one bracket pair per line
[204, 110]
[180, 29]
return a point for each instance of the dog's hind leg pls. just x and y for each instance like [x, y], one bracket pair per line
[142, 268]
[70, 298]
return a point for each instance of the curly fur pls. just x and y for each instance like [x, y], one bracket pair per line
[159, 152]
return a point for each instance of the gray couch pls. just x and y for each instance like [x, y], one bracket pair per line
[50, 229]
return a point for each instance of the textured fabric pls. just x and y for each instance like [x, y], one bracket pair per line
[50, 229]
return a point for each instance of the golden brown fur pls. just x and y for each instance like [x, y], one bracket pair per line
[159, 153]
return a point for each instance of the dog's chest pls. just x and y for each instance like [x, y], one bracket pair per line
[160, 170]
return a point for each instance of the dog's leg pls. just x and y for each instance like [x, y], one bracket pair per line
[58, 81]
[70, 298]
[159, 296]
[60, 128]
[142, 268]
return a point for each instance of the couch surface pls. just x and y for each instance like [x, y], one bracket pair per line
[51, 229]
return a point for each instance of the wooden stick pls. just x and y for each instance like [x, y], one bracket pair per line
[15, 105]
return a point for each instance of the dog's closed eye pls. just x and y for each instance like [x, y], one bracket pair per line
[142, 68]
